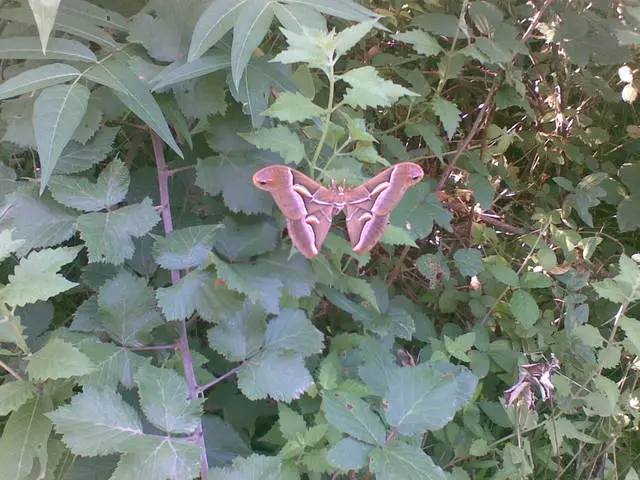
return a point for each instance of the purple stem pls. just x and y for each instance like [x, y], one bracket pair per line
[183, 343]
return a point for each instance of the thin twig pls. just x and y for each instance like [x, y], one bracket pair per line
[10, 370]
[204, 388]
[472, 133]
[183, 342]
[535, 20]
[396, 270]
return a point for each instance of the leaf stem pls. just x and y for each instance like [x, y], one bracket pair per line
[327, 121]
[183, 342]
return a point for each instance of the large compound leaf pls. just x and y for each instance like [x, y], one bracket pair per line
[57, 113]
[109, 235]
[96, 422]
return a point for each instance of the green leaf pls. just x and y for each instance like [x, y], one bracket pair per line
[222, 441]
[353, 416]
[78, 192]
[7, 244]
[250, 27]
[369, 90]
[58, 359]
[58, 49]
[418, 210]
[240, 336]
[280, 140]
[255, 281]
[282, 376]
[215, 21]
[503, 274]
[631, 328]
[197, 291]
[135, 95]
[535, 280]
[44, 13]
[624, 287]
[448, 113]
[185, 248]
[38, 220]
[422, 42]
[35, 278]
[399, 461]
[296, 17]
[109, 235]
[37, 78]
[244, 238]
[290, 422]
[459, 346]
[482, 190]
[113, 364]
[485, 16]
[15, 394]
[77, 157]
[293, 107]
[431, 135]
[378, 365]
[96, 422]
[254, 467]
[231, 177]
[433, 266]
[310, 46]
[394, 235]
[426, 397]
[128, 309]
[57, 112]
[347, 9]
[524, 308]
[292, 330]
[628, 214]
[24, 439]
[349, 454]
[158, 458]
[348, 37]
[164, 398]
[195, 69]
[468, 261]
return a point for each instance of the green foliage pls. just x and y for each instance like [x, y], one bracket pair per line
[155, 323]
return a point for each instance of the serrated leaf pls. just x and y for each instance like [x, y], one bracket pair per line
[57, 112]
[280, 140]
[37, 78]
[215, 21]
[240, 336]
[255, 281]
[422, 42]
[348, 37]
[293, 107]
[459, 346]
[113, 365]
[24, 439]
[418, 211]
[15, 394]
[161, 458]
[468, 261]
[426, 397]
[96, 422]
[503, 274]
[58, 359]
[135, 95]
[369, 90]
[243, 238]
[231, 177]
[399, 461]
[349, 454]
[378, 365]
[77, 157]
[535, 280]
[78, 192]
[35, 278]
[185, 248]
[250, 27]
[394, 235]
[431, 135]
[292, 330]
[255, 467]
[38, 220]
[483, 192]
[128, 309]
[197, 291]
[290, 422]
[164, 398]
[353, 416]
[433, 266]
[448, 113]
[624, 287]
[108, 235]
[222, 441]
[628, 214]
[631, 328]
[282, 376]
[57, 49]
[7, 244]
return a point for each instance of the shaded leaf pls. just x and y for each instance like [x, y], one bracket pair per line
[58, 359]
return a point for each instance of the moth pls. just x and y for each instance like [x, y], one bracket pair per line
[309, 207]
